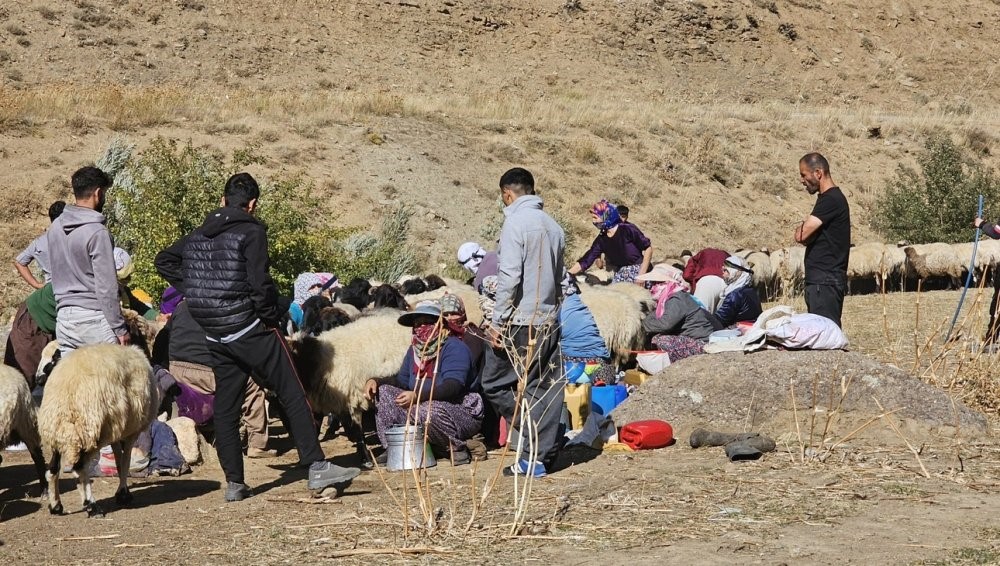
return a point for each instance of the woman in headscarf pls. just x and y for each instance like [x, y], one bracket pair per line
[434, 387]
[307, 285]
[678, 325]
[585, 354]
[627, 251]
[740, 301]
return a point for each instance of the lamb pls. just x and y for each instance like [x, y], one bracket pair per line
[335, 366]
[18, 421]
[934, 260]
[618, 315]
[97, 395]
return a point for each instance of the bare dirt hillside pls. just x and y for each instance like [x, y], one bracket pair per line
[693, 113]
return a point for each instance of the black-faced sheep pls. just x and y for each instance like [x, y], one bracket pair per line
[97, 395]
[18, 421]
[413, 286]
[387, 297]
[356, 293]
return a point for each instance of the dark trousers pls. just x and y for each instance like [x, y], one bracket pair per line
[543, 385]
[992, 332]
[826, 300]
[25, 344]
[263, 354]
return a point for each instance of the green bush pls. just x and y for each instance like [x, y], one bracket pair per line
[167, 190]
[938, 203]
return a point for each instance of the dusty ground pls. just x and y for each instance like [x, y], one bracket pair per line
[693, 113]
[866, 501]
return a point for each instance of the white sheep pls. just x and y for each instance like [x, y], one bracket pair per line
[763, 271]
[97, 395]
[335, 365]
[875, 260]
[788, 266]
[934, 260]
[618, 314]
[18, 420]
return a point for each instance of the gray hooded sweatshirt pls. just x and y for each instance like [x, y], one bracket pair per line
[531, 267]
[82, 261]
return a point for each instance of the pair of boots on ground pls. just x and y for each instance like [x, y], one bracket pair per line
[738, 445]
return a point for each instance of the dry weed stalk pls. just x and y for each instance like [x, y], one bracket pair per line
[895, 428]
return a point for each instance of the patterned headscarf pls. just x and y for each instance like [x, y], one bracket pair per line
[487, 299]
[662, 292]
[608, 213]
[453, 304]
[303, 283]
[738, 274]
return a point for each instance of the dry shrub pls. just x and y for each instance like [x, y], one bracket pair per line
[505, 152]
[585, 151]
[380, 104]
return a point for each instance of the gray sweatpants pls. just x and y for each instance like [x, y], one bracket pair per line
[76, 326]
[543, 388]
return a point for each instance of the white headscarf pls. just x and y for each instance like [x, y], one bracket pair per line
[470, 255]
[737, 274]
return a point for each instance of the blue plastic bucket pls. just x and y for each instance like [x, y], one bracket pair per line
[605, 398]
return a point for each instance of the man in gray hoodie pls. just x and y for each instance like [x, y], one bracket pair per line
[82, 261]
[525, 325]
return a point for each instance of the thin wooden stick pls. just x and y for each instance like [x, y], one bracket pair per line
[127, 545]
[95, 537]
[396, 551]
[795, 415]
[812, 418]
[895, 429]
[859, 429]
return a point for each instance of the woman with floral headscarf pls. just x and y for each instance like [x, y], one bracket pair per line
[627, 251]
[740, 301]
[435, 387]
[678, 325]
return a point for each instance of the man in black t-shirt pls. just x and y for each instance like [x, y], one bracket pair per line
[826, 233]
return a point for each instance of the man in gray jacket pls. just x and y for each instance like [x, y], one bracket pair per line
[82, 261]
[525, 325]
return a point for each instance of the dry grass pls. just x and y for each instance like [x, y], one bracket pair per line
[132, 107]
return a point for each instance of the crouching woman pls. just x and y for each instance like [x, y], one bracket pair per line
[679, 325]
[433, 387]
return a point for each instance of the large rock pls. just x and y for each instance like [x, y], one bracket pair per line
[736, 391]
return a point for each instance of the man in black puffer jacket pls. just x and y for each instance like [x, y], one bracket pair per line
[222, 268]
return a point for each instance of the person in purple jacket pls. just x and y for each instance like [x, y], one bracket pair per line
[627, 251]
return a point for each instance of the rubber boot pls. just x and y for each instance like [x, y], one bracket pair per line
[702, 437]
[749, 448]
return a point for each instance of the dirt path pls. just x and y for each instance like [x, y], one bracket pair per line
[675, 505]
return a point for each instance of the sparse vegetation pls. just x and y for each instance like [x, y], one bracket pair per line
[938, 203]
[166, 190]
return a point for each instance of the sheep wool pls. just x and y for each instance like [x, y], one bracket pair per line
[97, 395]
[618, 315]
[18, 419]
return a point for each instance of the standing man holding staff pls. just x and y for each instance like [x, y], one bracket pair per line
[826, 233]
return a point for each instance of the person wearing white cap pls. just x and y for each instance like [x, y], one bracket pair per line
[480, 262]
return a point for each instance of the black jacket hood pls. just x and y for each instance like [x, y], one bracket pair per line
[221, 219]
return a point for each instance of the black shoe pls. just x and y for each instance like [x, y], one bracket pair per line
[324, 474]
[237, 492]
[382, 459]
